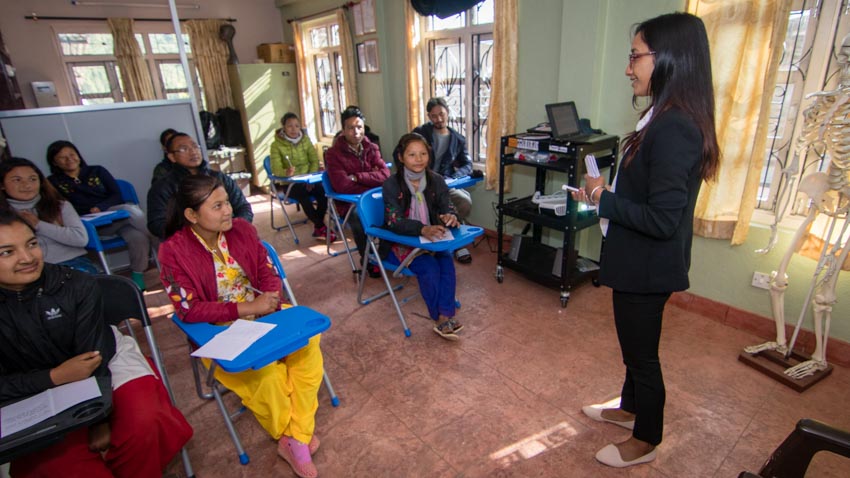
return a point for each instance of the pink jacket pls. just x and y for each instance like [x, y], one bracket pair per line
[341, 162]
[188, 273]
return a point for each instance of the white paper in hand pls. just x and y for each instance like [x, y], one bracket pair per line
[590, 163]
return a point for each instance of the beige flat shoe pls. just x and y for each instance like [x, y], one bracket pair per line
[610, 456]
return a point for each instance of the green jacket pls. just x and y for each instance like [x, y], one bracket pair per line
[284, 154]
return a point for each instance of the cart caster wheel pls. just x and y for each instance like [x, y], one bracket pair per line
[564, 301]
[595, 282]
[500, 274]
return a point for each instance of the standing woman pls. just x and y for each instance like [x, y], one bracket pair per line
[293, 153]
[216, 270]
[60, 231]
[648, 213]
[92, 189]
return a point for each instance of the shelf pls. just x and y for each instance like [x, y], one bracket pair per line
[526, 210]
[537, 260]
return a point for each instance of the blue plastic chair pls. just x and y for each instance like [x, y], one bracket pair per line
[335, 222]
[103, 244]
[266, 350]
[371, 210]
[282, 198]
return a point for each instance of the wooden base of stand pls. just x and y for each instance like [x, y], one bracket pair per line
[773, 364]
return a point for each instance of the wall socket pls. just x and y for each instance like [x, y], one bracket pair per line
[761, 280]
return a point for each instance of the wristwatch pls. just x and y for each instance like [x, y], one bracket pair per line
[353, 178]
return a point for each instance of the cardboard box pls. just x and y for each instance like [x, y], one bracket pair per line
[276, 52]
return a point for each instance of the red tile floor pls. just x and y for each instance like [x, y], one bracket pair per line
[506, 400]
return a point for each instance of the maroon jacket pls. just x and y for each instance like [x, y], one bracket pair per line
[341, 162]
[188, 273]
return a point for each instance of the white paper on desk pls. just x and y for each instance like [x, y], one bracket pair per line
[302, 176]
[448, 236]
[233, 341]
[96, 215]
[28, 412]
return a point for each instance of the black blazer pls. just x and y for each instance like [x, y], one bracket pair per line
[648, 246]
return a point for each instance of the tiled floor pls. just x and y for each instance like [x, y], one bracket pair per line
[504, 401]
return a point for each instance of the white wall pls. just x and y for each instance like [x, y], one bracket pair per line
[35, 53]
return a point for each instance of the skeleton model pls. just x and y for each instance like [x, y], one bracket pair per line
[826, 131]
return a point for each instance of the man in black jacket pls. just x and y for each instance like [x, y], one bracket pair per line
[451, 158]
[185, 154]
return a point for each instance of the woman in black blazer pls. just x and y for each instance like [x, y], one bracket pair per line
[647, 215]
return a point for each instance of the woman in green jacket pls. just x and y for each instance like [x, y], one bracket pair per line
[292, 153]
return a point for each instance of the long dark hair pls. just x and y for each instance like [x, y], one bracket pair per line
[398, 153]
[681, 79]
[54, 149]
[194, 189]
[10, 216]
[49, 208]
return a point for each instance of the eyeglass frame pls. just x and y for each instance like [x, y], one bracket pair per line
[186, 149]
[637, 56]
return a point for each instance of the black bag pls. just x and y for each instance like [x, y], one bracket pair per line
[230, 122]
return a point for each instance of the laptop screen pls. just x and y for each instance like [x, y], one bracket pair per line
[563, 118]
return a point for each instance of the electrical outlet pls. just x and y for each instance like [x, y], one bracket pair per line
[761, 280]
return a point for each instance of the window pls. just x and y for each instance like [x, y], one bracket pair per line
[460, 65]
[323, 54]
[95, 77]
[815, 32]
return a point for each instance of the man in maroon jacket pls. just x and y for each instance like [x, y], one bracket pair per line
[354, 165]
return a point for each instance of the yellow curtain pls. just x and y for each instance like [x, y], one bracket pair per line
[501, 119]
[308, 115]
[135, 76]
[210, 55]
[348, 67]
[414, 70]
[746, 45]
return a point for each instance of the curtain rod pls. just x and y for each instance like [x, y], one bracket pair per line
[35, 17]
[345, 5]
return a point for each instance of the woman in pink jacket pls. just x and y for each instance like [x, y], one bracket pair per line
[212, 266]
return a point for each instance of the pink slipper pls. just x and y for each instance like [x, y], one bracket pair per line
[297, 454]
[314, 445]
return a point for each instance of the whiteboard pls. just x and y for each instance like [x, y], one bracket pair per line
[123, 137]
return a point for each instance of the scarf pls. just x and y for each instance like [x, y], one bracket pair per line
[28, 206]
[294, 141]
[641, 124]
[418, 208]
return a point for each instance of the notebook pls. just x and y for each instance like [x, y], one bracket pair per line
[563, 118]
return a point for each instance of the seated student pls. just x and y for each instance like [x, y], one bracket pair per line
[451, 159]
[211, 264]
[185, 156]
[163, 167]
[60, 231]
[293, 153]
[416, 203]
[41, 350]
[92, 189]
[354, 166]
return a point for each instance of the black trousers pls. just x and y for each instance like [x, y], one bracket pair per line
[638, 321]
[302, 192]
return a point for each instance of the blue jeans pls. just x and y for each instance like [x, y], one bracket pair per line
[436, 276]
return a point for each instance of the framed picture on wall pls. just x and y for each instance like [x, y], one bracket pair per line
[364, 17]
[367, 57]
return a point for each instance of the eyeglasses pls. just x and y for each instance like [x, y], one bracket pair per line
[186, 149]
[635, 56]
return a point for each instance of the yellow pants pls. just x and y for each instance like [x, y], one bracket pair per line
[283, 395]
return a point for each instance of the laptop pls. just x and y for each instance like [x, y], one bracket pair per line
[563, 118]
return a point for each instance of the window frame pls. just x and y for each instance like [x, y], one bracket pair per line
[470, 37]
[152, 60]
[337, 83]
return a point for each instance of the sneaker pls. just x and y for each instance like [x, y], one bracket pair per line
[373, 271]
[320, 232]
